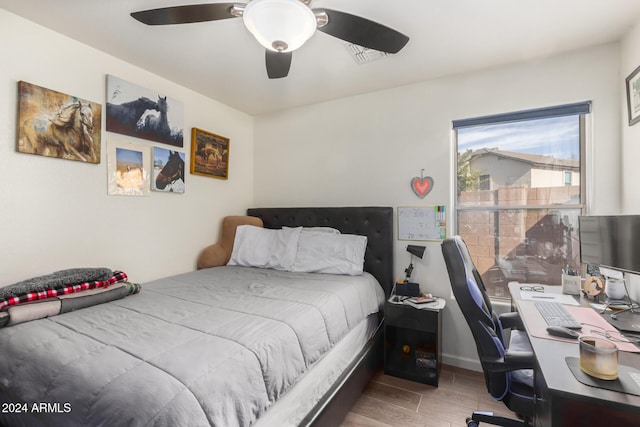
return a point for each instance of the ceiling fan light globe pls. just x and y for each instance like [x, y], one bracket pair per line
[279, 25]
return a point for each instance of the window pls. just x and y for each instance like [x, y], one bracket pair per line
[520, 192]
[485, 182]
[567, 178]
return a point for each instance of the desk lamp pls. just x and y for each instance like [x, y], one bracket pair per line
[405, 287]
[414, 250]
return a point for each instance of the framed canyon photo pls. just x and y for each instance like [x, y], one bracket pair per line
[55, 124]
[128, 173]
[209, 154]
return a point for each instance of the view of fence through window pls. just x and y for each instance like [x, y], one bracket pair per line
[519, 197]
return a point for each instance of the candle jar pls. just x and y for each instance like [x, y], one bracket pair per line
[598, 358]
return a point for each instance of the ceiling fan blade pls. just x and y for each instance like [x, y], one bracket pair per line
[278, 63]
[185, 14]
[363, 32]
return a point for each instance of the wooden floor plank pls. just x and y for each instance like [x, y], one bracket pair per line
[393, 402]
[394, 395]
[357, 420]
[392, 415]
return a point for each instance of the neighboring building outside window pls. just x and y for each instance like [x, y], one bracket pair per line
[519, 217]
[484, 182]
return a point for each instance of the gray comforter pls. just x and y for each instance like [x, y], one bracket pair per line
[211, 347]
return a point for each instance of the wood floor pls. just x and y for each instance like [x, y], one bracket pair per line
[390, 401]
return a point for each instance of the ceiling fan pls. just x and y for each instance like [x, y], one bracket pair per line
[282, 26]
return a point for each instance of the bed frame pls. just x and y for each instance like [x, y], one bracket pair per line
[377, 224]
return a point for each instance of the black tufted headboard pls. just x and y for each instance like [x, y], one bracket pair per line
[374, 222]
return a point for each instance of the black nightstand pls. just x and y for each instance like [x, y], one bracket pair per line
[412, 342]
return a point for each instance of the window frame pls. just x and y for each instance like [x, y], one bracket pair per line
[582, 110]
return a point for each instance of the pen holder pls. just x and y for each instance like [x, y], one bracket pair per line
[571, 284]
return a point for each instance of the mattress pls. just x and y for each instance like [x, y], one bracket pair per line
[213, 347]
[295, 405]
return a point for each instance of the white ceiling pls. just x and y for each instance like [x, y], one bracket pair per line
[223, 61]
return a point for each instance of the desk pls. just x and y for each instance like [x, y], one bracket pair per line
[563, 401]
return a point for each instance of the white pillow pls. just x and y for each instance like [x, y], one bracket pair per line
[265, 248]
[321, 252]
[330, 230]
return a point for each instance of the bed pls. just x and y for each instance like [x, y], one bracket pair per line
[229, 345]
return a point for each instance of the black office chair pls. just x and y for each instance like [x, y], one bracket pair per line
[507, 369]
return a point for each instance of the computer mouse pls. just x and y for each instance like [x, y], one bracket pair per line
[561, 331]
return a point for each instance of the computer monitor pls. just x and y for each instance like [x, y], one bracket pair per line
[611, 241]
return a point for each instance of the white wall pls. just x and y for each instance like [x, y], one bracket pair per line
[629, 61]
[364, 150]
[630, 173]
[56, 213]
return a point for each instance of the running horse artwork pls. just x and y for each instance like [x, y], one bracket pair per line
[54, 124]
[171, 176]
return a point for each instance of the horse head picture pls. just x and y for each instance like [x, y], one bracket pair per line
[54, 124]
[168, 170]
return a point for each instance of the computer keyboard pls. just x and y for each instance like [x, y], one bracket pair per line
[555, 314]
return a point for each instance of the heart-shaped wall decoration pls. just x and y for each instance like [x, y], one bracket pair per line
[422, 186]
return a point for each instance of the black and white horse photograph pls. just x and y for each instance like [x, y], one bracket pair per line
[143, 113]
[55, 124]
[168, 170]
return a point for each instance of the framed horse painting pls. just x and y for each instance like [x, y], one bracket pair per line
[633, 96]
[55, 124]
[209, 154]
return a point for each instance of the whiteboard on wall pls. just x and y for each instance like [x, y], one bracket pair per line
[422, 223]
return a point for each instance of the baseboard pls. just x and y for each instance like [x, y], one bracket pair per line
[462, 362]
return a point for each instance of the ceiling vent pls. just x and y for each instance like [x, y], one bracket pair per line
[362, 55]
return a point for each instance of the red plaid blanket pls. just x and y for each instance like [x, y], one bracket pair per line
[118, 276]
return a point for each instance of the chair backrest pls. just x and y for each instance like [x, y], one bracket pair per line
[470, 293]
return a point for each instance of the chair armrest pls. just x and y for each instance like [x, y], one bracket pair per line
[512, 361]
[511, 320]
[520, 359]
